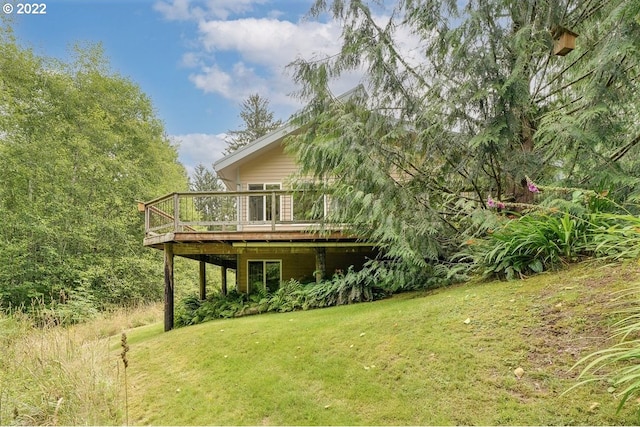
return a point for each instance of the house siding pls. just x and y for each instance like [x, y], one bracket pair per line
[272, 167]
[299, 266]
[302, 266]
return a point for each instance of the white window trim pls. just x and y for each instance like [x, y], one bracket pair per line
[263, 261]
[264, 206]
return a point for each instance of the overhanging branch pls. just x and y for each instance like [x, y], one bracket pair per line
[624, 150]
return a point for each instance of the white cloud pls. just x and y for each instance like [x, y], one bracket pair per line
[262, 47]
[270, 42]
[213, 80]
[196, 148]
[245, 54]
[235, 58]
[191, 60]
[176, 10]
[223, 8]
[190, 10]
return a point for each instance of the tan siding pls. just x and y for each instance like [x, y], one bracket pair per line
[272, 167]
[301, 266]
[294, 266]
[342, 259]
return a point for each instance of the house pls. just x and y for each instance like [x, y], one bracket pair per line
[259, 227]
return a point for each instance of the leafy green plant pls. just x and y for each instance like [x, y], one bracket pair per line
[342, 289]
[616, 236]
[529, 244]
[186, 310]
[557, 231]
[618, 366]
[292, 295]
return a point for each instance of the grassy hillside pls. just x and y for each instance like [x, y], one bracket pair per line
[445, 357]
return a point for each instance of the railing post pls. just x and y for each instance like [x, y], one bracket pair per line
[239, 207]
[273, 211]
[147, 219]
[176, 212]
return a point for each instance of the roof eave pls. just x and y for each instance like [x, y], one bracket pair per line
[255, 146]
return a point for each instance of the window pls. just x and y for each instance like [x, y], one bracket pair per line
[264, 275]
[261, 207]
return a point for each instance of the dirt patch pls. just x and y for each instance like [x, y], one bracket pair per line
[570, 319]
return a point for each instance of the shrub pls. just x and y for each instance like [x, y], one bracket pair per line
[341, 289]
[76, 306]
[186, 311]
[557, 232]
[217, 306]
[531, 244]
[615, 236]
[291, 295]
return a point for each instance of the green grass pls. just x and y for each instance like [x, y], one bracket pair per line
[411, 359]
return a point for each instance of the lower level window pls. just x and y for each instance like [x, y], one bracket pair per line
[265, 275]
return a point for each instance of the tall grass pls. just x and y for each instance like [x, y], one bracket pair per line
[64, 375]
[618, 366]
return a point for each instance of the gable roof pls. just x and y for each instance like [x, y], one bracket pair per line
[268, 141]
[250, 150]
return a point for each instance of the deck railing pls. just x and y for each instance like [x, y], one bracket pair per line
[225, 211]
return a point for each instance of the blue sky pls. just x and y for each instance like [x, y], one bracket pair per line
[196, 59]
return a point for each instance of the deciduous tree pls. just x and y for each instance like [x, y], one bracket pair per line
[78, 146]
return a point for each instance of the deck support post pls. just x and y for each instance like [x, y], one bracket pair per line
[223, 273]
[203, 278]
[168, 286]
[321, 264]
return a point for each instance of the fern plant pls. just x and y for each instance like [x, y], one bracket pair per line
[291, 296]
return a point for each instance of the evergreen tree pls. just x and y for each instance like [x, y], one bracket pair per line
[478, 106]
[215, 208]
[258, 121]
[204, 179]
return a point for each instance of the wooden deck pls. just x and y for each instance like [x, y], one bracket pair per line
[220, 227]
[235, 217]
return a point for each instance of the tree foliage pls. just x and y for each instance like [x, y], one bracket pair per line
[213, 208]
[258, 121]
[78, 146]
[465, 102]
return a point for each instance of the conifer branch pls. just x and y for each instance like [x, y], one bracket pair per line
[622, 151]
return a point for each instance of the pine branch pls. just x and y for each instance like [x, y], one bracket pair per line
[560, 73]
[562, 88]
[624, 150]
[588, 13]
[383, 36]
